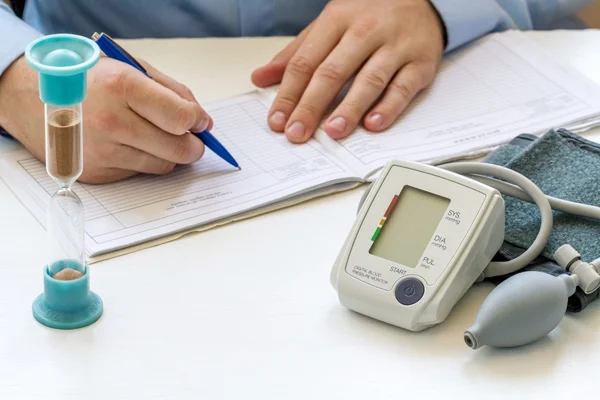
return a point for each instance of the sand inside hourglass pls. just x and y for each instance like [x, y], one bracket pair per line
[64, 141]
[67, 274]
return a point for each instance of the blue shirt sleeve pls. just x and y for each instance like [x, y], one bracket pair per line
[15, 35]
[467, 20]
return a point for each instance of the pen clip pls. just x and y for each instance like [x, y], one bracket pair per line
[97, 36]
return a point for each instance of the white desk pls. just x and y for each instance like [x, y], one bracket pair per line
[246, 311]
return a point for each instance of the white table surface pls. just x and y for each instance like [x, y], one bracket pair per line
[247, 311]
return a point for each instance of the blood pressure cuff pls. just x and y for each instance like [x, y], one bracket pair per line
[565, 166]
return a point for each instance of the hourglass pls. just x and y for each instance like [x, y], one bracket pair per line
[62, 62]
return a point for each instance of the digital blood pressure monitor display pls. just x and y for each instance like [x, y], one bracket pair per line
[407, 226]
[420, 240]
[414, 226]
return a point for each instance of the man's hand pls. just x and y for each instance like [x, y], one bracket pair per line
[131, 124]
[392, 47]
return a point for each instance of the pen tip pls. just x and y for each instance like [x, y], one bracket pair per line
[239, 168]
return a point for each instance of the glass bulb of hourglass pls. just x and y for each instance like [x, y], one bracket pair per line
[66, 233]
[64, 163]
[64, 144]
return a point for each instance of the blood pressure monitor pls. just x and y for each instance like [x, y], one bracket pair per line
[425, 234]
[422, 237]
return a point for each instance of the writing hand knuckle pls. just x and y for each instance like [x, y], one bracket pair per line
[165, 168]
[300, 65]
[183, 118]
[331, 71]
[94, 175]
[107, 122]
[187, 92]
[181, 151]
[119, 83]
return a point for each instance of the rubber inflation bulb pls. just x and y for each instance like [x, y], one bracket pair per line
[522, 309]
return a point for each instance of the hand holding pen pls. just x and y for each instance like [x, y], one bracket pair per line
[114, 51]
[132, 124]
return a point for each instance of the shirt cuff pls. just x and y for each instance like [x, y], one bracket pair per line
[467, 20]
[15, 35]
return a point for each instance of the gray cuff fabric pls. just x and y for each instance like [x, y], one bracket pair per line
[15, 35]
[563, 165]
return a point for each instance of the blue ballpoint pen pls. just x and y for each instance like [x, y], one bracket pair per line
[113, 50]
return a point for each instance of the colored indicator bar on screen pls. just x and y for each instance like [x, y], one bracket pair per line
[387, 212]
[374, 237]
[391, 206]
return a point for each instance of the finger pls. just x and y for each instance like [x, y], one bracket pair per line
[168, 82]
[318, 44]
[327, 81]
[178, 149]
[272, 73]
[367, 87]
[172, 84]
[160, 105]
[96, 176]
[178, 88]
[131, 159]
[400, 92]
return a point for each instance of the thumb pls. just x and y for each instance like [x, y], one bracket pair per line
[170, 83]
[272, 73]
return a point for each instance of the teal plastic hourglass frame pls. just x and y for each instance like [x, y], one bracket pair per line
[62, 62]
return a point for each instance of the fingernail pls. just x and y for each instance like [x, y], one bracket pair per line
[376, 120]
[278, 118]
[338, 123]
[202, 125]
[296, 130]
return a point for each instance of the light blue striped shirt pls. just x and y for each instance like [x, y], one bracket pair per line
[465, 20]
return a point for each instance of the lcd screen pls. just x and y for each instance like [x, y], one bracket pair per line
[409, 226]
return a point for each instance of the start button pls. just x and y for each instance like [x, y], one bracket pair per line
[409, 291]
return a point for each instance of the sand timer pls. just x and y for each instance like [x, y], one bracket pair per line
[62, 62]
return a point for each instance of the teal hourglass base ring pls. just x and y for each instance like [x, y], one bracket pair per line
[67, 304]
